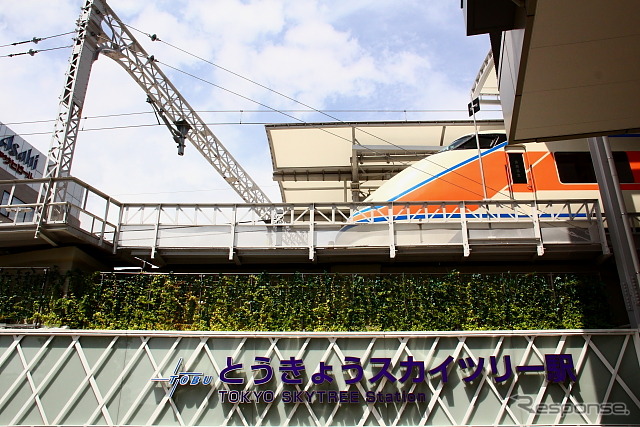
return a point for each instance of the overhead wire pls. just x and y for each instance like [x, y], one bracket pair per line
[153, 59]
[406, 163]
[32, 52]
[36, 40]
[240, 111]
[154, 37]
[283, 112]
[143, 125]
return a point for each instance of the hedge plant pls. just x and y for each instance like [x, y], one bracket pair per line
[304, 302]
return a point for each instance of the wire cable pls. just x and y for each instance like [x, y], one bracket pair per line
[408, 164]
[154, 37]
[33, 52]
[145, 125]
[275, 110]
[102, 116]
[36, 40]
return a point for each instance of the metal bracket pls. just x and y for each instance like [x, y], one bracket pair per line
[178, 129]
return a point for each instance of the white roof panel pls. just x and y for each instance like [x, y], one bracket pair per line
[340, 162]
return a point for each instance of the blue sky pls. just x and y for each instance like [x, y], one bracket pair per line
[355, 55]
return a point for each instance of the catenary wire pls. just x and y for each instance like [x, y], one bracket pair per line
[33, 52]
[152, 59]
[145, 125]
[36, 40]
[102, 116]
[154, 37]
[408, 164]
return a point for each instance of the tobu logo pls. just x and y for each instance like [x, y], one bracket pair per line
[184, 378]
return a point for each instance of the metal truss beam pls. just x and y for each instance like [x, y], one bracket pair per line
[101, 31]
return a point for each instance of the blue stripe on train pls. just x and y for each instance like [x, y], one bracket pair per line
[468, 216]
[436, 176]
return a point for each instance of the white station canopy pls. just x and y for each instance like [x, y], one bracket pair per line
[344, 162]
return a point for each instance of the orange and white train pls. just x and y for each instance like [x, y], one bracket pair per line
[561, 170]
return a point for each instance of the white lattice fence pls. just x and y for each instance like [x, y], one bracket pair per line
[62, 377]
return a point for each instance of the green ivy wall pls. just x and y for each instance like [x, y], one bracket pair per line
[304, 302]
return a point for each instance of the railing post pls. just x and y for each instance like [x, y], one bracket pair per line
[156, 232]
[10, 202]
[537, 232]
[392, 233]
[104, 220]
[66, 209]
[464, 229]
[116, 234]
[312, 232]
[232, 240]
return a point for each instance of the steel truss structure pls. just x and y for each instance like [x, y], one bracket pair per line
[101, 31]
[66, 377]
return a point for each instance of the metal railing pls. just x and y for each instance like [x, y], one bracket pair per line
[451, 225]
[358, 225]
[87, 209]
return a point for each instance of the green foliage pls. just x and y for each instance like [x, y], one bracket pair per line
[304, 302]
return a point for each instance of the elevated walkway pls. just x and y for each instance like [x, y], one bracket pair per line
[118, 233]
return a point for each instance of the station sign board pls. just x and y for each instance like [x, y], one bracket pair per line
[63, 377]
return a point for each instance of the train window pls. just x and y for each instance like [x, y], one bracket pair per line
[625, 175]
[577, 167]
[518, 171]
[487, 140]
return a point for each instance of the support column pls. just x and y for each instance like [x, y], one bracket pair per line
[624, 248]
[355, 173]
